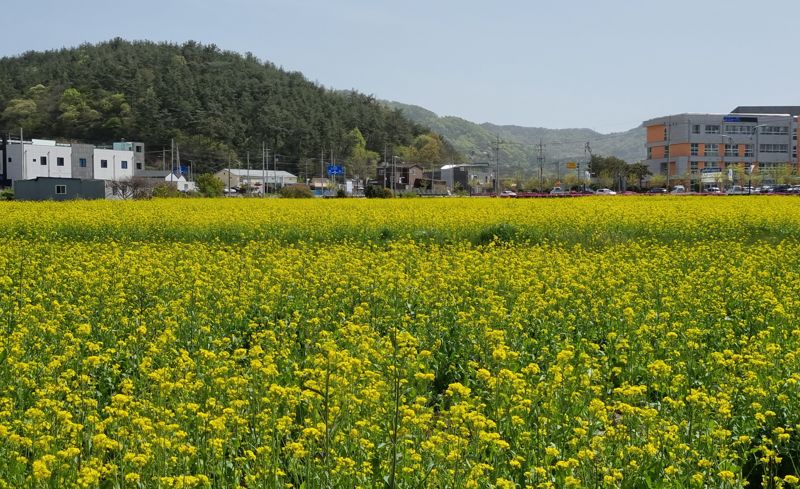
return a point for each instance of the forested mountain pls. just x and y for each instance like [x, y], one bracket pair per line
[519, 145]
[217, 105]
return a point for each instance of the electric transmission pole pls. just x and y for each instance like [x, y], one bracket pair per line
[540, 159]
[496, 148]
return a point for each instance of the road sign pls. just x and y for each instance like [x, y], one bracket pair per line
[571, 165]
[335, 170]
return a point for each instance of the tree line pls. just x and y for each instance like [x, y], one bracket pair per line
[219, 106]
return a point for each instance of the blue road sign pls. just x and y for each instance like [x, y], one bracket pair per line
[335, 170]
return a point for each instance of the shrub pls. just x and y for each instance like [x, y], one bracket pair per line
[376, 192]
[296, 192]
[166, 190]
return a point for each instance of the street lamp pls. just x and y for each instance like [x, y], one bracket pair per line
[750, 184]
[723, 154]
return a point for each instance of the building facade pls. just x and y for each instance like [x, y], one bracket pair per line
[50, 159]
[138, 153]
[470, 177]
[399, 176]
[83, 161]
[255, 179]
[112, 165]
[38, 158]
[44, 188]
[705, 150]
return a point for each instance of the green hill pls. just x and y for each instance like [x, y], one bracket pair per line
[519, 145]
[218, 105]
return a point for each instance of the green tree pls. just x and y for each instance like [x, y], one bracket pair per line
[362, 161]
[209, 185]
[639, 171]
[609, 170]
[76, 116]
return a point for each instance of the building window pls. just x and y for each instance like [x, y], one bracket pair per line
[665, 134]
[649, 153]
[666, 151]
[694, 167]
[9, 159]
[82, 162]
[138, 148]
[61, 190]
[712, 128]
[695, 149]
[775, 130]
[738, 129]
[103, 163]
[711, 149]
[43, 160]
[664, 168]
[138, 165]
[773, 148]
[695, 128]
[731, 150]
[59, 161]
[748, 150]
[124, 165]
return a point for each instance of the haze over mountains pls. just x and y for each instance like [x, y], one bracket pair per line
[519, 146]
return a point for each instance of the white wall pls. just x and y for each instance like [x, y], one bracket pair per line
[114, 169]
[32, 166]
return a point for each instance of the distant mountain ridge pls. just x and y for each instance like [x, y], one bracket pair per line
[519, 145]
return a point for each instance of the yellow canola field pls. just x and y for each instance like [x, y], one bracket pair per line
[631, 342]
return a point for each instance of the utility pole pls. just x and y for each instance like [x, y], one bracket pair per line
[4, 178]
[275, 169]
[540, 160]
[263, 169]
[497, 165]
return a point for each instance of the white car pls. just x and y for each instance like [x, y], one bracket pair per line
[605, 191]
[508, 193]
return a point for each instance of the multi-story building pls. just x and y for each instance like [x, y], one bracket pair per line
[708, 149]
[138, 153]
[472, 177]
[83, 161]
[399, 176]
[38, 158]
[112, 165]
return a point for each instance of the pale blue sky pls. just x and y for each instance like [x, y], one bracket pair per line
[607, 65]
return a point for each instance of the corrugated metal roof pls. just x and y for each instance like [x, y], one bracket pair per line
[239, 172]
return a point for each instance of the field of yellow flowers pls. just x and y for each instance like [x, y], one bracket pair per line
[595, 342]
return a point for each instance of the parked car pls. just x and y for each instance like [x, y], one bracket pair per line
[557, 191]
[605, 191]
[678, 189]
[508, 193]
[736, 190]
[657, 190]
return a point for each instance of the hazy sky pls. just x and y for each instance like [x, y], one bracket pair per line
[604, 64]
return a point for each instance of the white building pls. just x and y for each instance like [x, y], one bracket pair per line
[112, 165]
[237, 177]
[39, 158]
[180, 183]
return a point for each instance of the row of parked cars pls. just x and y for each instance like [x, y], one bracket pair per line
[733, 190]
[676, 190]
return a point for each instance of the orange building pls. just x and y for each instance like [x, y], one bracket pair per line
[717, 150]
